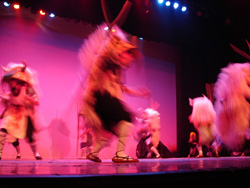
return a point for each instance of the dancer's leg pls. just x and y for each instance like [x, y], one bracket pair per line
[34, 150]
[3, 134]
[155, 151]
[17, 147]
[30, 139]
[101, 141]
[123, 130]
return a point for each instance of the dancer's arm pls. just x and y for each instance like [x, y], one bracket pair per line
[142, 91]
[32, 99]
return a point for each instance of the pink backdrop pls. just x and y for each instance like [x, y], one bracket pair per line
[50, 46]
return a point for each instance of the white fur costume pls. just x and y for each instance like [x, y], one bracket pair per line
[232, 108]
[153, 124]
[203, 118]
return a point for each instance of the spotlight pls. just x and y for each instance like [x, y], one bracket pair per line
[176, 5]
[52, 15]
[140, 38]
[16, 6]
[168, 3]
[183, 8]
[6, 4]
[106, 28]
[160, 1]
[42, 12]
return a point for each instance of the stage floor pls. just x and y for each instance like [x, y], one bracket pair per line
[172, 171]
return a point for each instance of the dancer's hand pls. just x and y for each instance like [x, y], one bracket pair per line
[144, 92]
[141, 91]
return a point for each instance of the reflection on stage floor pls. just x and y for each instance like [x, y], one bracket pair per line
[171, 171]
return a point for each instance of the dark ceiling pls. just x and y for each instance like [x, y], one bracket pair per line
[160, 23]
[208, 24]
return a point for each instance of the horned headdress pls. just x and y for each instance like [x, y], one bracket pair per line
[21, 72]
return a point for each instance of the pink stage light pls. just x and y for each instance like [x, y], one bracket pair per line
[16, 6]
[42, 12]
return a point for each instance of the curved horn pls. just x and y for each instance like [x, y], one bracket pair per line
[106, 12]
[119, 20]
[25, 65]
[4, 69]
[248, 45]
[244, 54]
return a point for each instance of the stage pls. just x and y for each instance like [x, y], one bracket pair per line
[191, 172]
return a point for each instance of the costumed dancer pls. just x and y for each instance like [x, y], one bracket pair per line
[232, 95]
[152, 126]
[152, 119]
[106, 54]
[203, 118]
[193, 151]
[19, 100]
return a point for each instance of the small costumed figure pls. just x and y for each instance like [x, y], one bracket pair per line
[19, 100]
[193, 145]
[203, 118]
[106, 55]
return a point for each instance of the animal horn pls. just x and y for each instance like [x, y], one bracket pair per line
[119, 20]
[121, 16]
[248, 45]
[4, 69]
[244, 54]
[106, 13]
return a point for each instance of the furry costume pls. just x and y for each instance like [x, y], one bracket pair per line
[99, 55]
[151, 134]
[152, 120]
[232, 107]
[20, 101]
[203, 119]
[102, 55]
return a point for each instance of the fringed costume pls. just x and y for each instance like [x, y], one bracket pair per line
[19, 98]
[232, 94]
[151, 136]
[203, 118]
[106, 54]
[152, 120]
